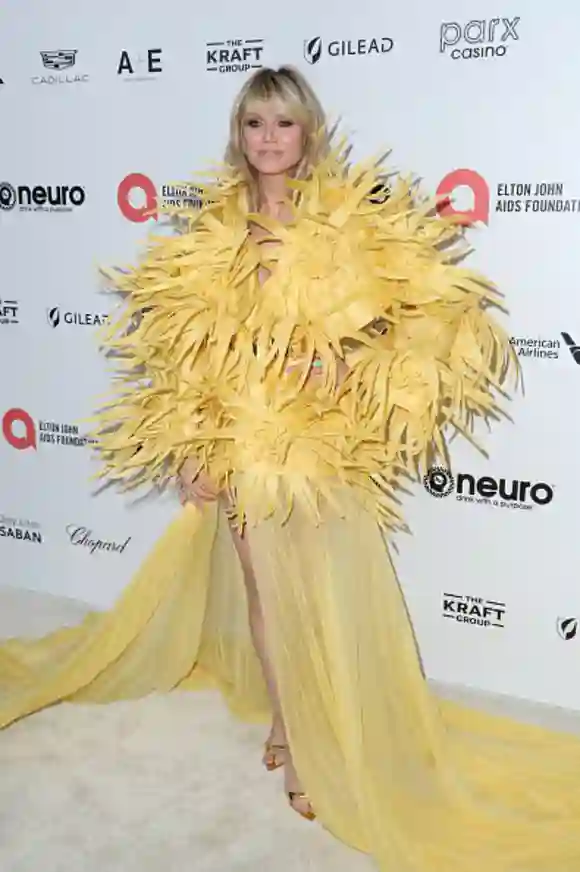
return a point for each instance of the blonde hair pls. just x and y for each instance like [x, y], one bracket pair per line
[290, 87]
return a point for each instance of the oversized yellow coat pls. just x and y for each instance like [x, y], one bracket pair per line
[215, 366]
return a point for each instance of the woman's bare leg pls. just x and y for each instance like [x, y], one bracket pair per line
[257, 629]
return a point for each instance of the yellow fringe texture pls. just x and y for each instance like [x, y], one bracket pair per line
[203, 346]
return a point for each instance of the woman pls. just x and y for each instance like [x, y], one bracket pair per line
[268, 145]
[300, 348]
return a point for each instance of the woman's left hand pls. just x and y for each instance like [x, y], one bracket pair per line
[195, 486]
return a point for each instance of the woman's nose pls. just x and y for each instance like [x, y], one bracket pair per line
[269, 133]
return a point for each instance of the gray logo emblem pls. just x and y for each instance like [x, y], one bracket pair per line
[53, 316]
[59, 60]
[7, 196]
[567, 628]
[313, 49]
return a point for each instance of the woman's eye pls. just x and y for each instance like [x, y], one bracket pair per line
[252, 122]
[286, 123]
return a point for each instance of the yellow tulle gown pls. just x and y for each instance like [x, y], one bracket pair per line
[214, 365]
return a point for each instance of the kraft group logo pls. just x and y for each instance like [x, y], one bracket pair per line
[21, 432]
[139, 187]
[479, 38]
[56, 61]
[20, 530]
[473, 610]
[486, 490]
[140, 67]
[8, 312]
[41, 198]
[57, 317]
[316, 48]
[234, 55]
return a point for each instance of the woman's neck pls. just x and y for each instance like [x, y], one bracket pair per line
[272, 194]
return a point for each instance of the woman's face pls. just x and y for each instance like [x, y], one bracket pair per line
[273, 141]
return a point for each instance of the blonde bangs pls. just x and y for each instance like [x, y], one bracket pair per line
[274, 87]
[290, 88]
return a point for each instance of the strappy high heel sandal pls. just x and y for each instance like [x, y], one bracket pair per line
[272, 751]
[273, 755]
[292, 797]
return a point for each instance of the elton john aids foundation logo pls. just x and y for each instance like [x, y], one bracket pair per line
[18, 429]
[478, 189]
[139, 200]
[537, 197]
[22, 433]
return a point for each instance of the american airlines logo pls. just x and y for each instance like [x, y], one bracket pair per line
[573, 347]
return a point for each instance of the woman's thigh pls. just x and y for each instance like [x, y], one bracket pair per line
[242, 547]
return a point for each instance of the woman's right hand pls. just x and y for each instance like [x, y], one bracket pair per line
[195, 486]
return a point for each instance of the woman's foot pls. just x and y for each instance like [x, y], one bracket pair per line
[296, 796]
[276, 747]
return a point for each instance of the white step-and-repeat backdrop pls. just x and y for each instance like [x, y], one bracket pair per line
[103, 104]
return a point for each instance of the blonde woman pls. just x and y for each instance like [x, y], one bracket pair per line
[277, 130]
[290, 357]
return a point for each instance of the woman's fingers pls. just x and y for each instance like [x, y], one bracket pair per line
[197, 491]
[197, 496]
[207, 491]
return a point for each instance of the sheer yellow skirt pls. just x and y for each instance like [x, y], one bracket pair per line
[422, 784]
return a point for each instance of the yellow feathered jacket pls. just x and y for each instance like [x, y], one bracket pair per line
[205, 347]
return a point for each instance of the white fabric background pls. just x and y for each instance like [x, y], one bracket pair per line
[511, 117]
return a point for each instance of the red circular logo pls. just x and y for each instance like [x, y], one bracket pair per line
[479, 188]
[137, 214]
[19, 440]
